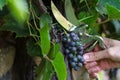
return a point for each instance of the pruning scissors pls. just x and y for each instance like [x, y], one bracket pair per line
[91, 39]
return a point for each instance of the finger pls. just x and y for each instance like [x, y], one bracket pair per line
[95, 69]
[111, 42]
[91, 64]
[107, 64]
[93, 56]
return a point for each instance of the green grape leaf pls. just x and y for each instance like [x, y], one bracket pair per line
[113, 12]
[101, 6]
[19, 10]
[44, 71]
[2, 4]
[13, 26]
[49, 70]
[45, 39]
[89, 18]
[45, 19]
[54, 49]
[33, 49]
[70, 13]
[60, 66]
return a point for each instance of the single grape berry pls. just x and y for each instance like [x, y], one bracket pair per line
[73, 49]
[80, 52]
[68, 40]
[80, 47]
[74, 38]
[72, 43]
[76, 68]
[79, 57]
[72, 34]
[75, 59]
[67, 51]
[71, 55]
[80, 64]
[82, 60]
[64, 39]
[72, 63]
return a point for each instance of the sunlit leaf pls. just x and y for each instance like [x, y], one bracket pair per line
[19, 10]
[60, 66]
[101, 6]
[113, 12]
[45, 19]
[45, 39]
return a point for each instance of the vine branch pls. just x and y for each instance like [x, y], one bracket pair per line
[102, 22]
[42, 8]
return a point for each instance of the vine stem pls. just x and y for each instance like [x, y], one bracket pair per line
[33, 16]
[42, 8]
[47, 58]
[99, 23]
[87, 6]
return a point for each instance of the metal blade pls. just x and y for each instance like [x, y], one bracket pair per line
[62, 21]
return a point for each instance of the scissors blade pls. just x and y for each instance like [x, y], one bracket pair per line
[60, 18]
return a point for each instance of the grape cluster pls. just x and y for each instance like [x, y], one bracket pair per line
[73, 49]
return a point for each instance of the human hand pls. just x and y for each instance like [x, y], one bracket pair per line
[103, 59]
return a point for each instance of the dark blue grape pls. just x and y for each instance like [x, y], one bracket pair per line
[75, 59]
[76, 68]
[68, 40]
[74, 38]
[72, 43]
[73, 49]
[72, 63]
[72, 34]
[80, 64]
[79, 57]
[81, 52]
[80, 47]
[78, 38]
[64, 39]
[71, 55]
[82, 60]
[67, 51]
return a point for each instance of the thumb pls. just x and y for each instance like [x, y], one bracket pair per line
[93, 56]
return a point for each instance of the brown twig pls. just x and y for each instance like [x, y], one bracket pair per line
[41, 7]
[102, 22]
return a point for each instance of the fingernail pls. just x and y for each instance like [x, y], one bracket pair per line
[86, 57]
